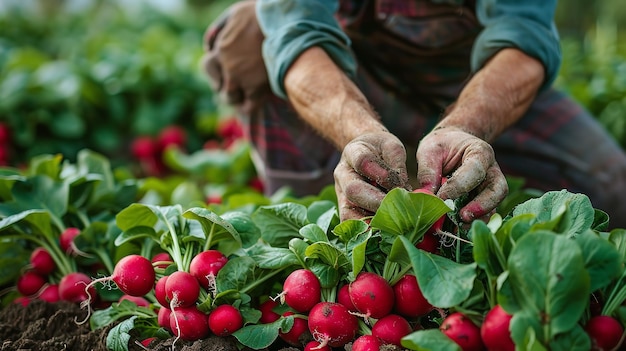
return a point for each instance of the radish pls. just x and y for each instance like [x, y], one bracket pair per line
[163, 317]
[66, 240]
[143, 148]
[137, 300]
[159, 291]
[49, 293]
[367, 343]
[332, 324]
[462, 331]
[146, 342]
[391, 329]
[22, 300]
[42, 262]
[267, 312]
[316, 346]
[301, 290]
[172, 135]
[225, 320]
[495, 330]
[429, 243]
[76, 287]
[205, 266]
[343, 297]
[161, 260]
[299, 332]
[29, 283]
[134, 275]
[372, 295]
[181, 289]
[605, 332]
[189, 323]
[409, 300]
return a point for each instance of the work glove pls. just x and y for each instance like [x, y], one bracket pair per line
[370, 166]
[233, 59]
[473, 168]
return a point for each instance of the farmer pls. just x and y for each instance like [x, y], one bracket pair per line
[378, 94]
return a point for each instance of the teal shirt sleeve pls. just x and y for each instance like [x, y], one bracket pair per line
[292, 26]
[526, 25]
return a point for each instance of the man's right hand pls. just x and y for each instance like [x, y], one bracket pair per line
[370, 166]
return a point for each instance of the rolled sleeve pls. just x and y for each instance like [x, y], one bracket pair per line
[292, 26]
[526, 25]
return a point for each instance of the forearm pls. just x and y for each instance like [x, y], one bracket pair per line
[328, 100]
[497, 95]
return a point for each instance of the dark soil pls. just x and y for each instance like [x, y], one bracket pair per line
[52, 327]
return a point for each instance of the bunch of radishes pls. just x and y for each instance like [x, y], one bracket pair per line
[367, 311]
[148, 150]
[52, 273]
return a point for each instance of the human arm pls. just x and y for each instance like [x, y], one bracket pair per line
[495, 98]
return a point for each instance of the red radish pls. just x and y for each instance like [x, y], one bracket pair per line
[134, 275]
[181, 289]
[159, 291]
[367, 343]
[391, 329]
[148, 341]
[316, 346]
[143, 148]
[343, 297]
[189, 323]
[75, 287]
[205, 266]
[462, 331]
[50, 293]
[172, 135]
[332, 324]
[225, 320]
[29, 283]
[495, 330]
[163, 317]
[298, 332]
[267, 312]
[41, 261]
[605, 332]
[409, 300]
[301, 290]
[372, 295]
[162, 260]
[66, 239]
[257, 184]
[230, 129]
[22, 300]
[5, 134]
[429, 243]
[137, 300]
[439, 223]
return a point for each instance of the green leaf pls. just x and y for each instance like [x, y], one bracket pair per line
[329, 254]
[429, 340]
[261, 336]
[349, 229]
[268, 257]
[313, 233]
[136, 215]
[42, 192]
[237, 274]
[12, 254]
[602, 260]
[487, 253]
[215, 227]
[280, 223]
[410, 214]
[244, 225]
[578, 215]
[547, 277]
[444, 283]
[618, 238]
[118, 337]
[575, 339]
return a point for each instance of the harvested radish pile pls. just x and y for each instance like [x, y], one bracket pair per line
[117, 272]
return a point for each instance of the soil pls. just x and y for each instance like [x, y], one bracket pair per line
[52, 327]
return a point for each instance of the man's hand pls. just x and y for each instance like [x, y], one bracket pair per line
[473, 166]
[370, 166]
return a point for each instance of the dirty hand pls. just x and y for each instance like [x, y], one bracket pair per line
[370, 166]
[473, 166]
[233, 60]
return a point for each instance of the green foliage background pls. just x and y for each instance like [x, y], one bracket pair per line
[94, 74]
